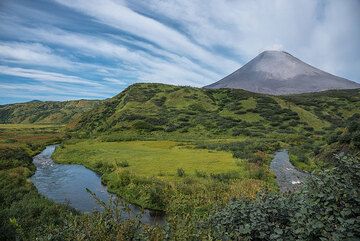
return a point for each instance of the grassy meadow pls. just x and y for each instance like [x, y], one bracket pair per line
[148, 173]
[161, 159]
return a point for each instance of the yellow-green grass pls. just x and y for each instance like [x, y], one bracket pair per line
[28, 126]
[251, 117]
[249, 103]
[152, 167]
[32, 137]
[150, 158]
[304, 115]
[180, 99]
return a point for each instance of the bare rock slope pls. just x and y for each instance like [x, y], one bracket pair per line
[279, 73]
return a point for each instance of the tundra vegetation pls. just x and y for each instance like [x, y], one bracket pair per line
[200, 155]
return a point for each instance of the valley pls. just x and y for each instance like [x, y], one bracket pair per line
[188, 152]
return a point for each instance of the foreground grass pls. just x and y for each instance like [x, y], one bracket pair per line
[21, 207]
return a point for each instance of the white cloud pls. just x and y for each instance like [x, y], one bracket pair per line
[117, 15]
[45, 76]
[115, 81]
[323, 33]
[182, 42]
[154, 68]
[31, 53]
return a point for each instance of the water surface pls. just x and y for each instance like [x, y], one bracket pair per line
[67, 183]
[287, 176]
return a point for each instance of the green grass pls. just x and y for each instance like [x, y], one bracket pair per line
[136, 170]
[249, 103]
[28, 126]
[44, 112]
[31, 137]
[149, 158]
[305, 116]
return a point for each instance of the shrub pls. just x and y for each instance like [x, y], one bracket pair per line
[326, 208]
[157, 196]
[98, 165]
[201, 174]
[180, 172]
[225, 177]
[123, 163]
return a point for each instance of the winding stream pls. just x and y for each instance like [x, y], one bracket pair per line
[287, 176]
[67, 183]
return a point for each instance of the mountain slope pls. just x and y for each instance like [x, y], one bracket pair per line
[279, 73]
[158, 108]
[47, 112]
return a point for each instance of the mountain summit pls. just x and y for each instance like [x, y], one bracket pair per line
[280, 73]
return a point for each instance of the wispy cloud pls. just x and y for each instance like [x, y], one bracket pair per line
[31, 53]
[119, 16]
[161, 67]
[45, 76]
[322, 33]
[89, 48]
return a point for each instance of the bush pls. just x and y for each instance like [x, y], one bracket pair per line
[180, 172]
[122, 163]
[201, 174]
[225, 177]
[327, 208]
[157, 196]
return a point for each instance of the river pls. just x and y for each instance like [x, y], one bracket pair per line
[287, 176]
[67, 183]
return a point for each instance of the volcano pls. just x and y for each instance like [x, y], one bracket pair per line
[280, 73]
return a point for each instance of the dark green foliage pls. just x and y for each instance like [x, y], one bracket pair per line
[202, 174]
[16, 153]
[225, 177]
[19, 200]
[351, 135]
[122, 163]
[245, 150]
[157, 196]
[180, 172]
[327, 208]
[160, 101]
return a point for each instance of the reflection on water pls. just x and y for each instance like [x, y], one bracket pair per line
[65, 183]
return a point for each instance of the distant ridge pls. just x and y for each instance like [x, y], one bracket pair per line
[280, 73]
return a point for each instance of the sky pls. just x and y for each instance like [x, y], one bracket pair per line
[87, 49]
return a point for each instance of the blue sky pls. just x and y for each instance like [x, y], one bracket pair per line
[73, 49]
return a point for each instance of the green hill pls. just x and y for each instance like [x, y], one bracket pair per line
[165, 108]
[47, 112]
[302, 123]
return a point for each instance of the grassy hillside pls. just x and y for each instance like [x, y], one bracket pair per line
[301, 123]
[173, 109]
[156, 108]
[48, 112]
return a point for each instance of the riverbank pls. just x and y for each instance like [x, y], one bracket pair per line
[152, 173]
[68, 184]
[22, 208]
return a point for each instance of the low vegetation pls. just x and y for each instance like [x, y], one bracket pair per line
[155, 170]
[44, 112]
[201, 155]
[20, 204]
